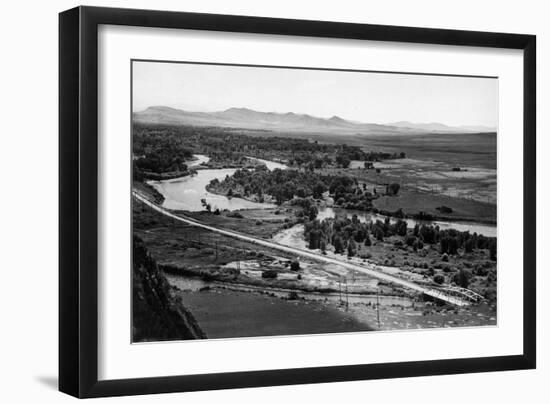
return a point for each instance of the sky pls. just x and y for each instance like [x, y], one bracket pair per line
[359, 96]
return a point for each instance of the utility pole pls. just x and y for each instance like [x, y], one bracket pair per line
[347, 301]
[378, 307]
[340, 290]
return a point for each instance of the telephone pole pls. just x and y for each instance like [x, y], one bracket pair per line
[340, 290]
[378, 307]
[347, 301]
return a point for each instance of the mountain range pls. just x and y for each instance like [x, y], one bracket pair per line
[245, 118]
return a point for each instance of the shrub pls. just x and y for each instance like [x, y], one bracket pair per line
[292, 296]
[410, 240]
[295, 266]
[480, 271]
[269, 274]
[393, 189]
[236, 215]
[439, 279]
[444, 209]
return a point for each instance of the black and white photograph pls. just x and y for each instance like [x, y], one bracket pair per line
[276, 201]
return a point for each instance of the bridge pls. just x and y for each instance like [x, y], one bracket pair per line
[449, 295]
[464, 293]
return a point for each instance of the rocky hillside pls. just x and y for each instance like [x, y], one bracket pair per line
[157, 315]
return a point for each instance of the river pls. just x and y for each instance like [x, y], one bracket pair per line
[472, 227]
[185, 193]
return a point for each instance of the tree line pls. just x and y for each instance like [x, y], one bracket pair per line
[162, 148]
[286, 185]
[344, 234]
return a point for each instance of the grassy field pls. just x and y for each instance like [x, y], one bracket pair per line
[229, 314]
[262, 223]
[471, 149]
[475, 149]
[412, 202]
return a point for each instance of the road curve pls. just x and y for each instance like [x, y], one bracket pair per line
[266, 243]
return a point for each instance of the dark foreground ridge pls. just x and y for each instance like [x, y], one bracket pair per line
[157, 316]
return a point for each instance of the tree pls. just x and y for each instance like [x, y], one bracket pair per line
[318, 190]
[312, 212]
[368, 243]
[453, 245]
[462, 278]
[401, 228]
[444, 245]
[493, 249]
[378, 233]
[410, 240]
[428, 234]
[343, 160]
[352, 248]
[338, 244]
[314, 239]
[301, 192]
[206, 205]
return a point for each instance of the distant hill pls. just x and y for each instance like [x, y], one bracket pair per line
[439, 127]
[291, 122]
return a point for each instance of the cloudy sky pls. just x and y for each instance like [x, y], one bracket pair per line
[360, 96]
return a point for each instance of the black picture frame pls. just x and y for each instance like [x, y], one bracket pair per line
[78, 201]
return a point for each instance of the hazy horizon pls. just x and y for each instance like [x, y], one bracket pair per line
[367, 97]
